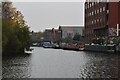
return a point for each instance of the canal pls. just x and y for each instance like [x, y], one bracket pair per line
[58, 63]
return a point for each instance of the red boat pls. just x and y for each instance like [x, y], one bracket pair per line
[74, 47]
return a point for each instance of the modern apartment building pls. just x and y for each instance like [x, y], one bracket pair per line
[101, 19]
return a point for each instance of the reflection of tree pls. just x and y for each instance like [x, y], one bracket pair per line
[15, 32]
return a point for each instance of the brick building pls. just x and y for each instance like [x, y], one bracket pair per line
[52, 35]
[101, 19]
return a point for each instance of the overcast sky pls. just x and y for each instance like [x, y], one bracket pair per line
[42, 15]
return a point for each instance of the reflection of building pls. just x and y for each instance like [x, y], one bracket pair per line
[71, 31]
[101, 19]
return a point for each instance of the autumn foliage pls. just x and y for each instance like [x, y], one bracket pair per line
[15, 32]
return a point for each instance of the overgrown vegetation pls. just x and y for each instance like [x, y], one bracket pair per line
[15, 33]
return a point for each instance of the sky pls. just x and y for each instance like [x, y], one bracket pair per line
[44, 15]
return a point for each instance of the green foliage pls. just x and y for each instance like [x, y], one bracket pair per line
[68, 39]
[98, 41]
[14, 38]
[116, 40]
[15, 35]
[77, 37]
[37, 36]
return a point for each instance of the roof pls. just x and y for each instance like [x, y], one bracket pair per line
[70, 26]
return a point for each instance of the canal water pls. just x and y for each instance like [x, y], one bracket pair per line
[58, 63]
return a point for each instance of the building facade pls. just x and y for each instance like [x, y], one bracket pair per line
[71, 31]
[52, 35]
[47, 35]
[57, 35]
[101, 19]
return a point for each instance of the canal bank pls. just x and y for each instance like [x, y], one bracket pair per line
[102, 48]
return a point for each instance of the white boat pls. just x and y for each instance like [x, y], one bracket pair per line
[30, 51]
[47, 45]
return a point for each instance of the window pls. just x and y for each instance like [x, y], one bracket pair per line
[101, 0]
[92, 22]
[98, 1]
[100, 10]
[92, 13]
[103, 8]
[103, 20]
[107, 11]
[95, 21]
[97, 11]
[107, 0]
[92, 3]
[86, 6]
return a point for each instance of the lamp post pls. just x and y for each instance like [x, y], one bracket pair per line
[118, 30]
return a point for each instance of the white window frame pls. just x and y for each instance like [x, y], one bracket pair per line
[100, 10]
[107, 11]
[95, 21]
[92, 12]
[97, 11]
[92, 22]
[103, 8]
[89, 5]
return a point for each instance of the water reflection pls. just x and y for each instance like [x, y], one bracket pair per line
[57, 63]
[16, 66]
[100, 65]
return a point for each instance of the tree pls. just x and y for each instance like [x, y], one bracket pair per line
[116, 40]
[68, 39]
[15, 33]
[77, 37]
